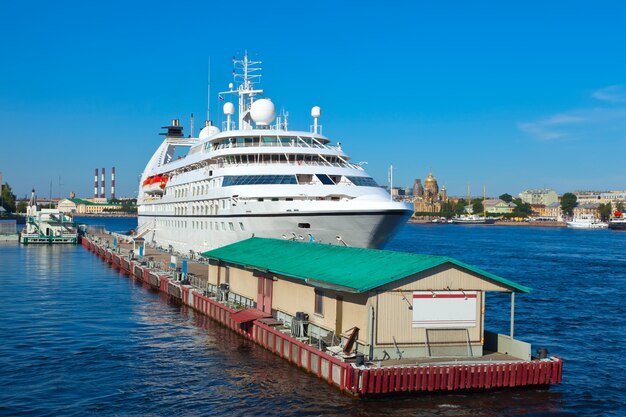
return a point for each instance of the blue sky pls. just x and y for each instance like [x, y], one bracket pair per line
[512, 96]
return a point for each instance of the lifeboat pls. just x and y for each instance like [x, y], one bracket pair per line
[155, 184]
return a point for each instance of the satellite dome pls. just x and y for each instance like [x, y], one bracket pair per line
[208, 131]
[263, 112]
[229, 108]
[316, 111]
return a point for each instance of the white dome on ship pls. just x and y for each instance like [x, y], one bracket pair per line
[208, 131]
[229, 108]
[263, 112]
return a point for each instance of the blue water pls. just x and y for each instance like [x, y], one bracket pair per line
[78, 338]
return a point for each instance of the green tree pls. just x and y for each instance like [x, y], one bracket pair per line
[459, 207]
[605, 211]
[568, 202]
[21, 207]
[507, 198]
[447, 210]
[619, 207]
[477, 206]
[7, 198]
[522, 209]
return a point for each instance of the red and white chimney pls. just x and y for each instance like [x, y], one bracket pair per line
[113, 183]
[95, 185]
[102, 185]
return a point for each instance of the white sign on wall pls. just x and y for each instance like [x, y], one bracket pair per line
[444, 309]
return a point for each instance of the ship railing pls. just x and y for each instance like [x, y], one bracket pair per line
[277, 144]
[297, 163]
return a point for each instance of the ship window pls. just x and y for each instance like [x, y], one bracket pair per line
[325, 179]
[304, 225]
[363, 181]
[230, 180]
[241, 226]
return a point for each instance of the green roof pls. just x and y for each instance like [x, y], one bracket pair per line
[89, 203]
[343, 268]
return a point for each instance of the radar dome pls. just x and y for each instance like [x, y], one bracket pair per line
[208, 131]
[316, 111]
[263, 112]
[229, 108]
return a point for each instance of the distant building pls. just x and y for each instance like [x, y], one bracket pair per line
[430, 185]
[86, 206]
[587, 208]
[428, 199]
[545, 196]
[553, 211]
[497, 206]
[537, 209]
[418, 188]
[600, 197]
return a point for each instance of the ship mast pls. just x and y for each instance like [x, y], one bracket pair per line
[244, 70]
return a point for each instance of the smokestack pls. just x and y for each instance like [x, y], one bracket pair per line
[102, 195]
[95, 185]
[113, 183]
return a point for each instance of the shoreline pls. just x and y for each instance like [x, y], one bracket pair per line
[498, 223]
[104, 215]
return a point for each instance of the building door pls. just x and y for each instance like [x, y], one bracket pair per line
[339, 316]
[267, 296]
[264, 294]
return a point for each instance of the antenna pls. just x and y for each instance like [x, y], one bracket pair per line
[208, 95]
[390, 182]
[244, 70]
[191, 128]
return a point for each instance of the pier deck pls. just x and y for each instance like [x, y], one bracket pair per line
[490, 371]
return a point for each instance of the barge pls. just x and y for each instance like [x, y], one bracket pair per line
[49, 226]
[416, 326]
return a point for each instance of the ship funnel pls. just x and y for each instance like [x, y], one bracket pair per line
[175, 130]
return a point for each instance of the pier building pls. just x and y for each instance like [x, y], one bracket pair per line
[403, 305]
[370, 322]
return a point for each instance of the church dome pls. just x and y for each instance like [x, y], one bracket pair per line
[430, 179]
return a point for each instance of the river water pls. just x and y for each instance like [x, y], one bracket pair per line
[78, 338]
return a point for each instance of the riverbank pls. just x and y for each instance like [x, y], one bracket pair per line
[105, 214]
[497, 223]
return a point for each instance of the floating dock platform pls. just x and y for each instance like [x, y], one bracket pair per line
[198, 289]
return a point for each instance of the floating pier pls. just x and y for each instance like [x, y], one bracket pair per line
[347, 372]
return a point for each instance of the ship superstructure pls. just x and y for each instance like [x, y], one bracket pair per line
[255, 177]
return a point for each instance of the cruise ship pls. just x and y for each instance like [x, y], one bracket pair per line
[256, 177]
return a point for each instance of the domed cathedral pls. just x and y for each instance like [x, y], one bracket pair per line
[431, 188]
[430, 199]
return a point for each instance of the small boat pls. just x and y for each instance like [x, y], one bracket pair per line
[473, 219]
[618, 222]
[586, 221]
[47, 226]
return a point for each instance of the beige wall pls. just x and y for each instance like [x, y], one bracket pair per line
[393, 318]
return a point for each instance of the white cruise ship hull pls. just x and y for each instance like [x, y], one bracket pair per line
[201, 233]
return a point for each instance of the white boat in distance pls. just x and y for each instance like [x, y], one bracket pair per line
[258, 178]
[473, 219]
[586, 221]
